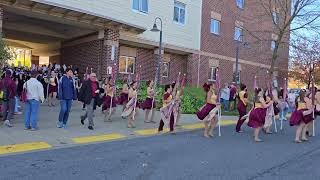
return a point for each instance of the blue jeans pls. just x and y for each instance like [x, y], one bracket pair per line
[225, 104]
[283, 113]
[8, 109]
[31, 110]
[17, 106]
[65, 106]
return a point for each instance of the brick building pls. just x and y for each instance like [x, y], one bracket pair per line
[98, 34]
[227, 24]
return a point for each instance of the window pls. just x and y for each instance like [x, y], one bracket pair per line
[273, 45]
[212, 73]
[179, 12]
[240, 3]
[165, 69]
[215, 26]
[238, 33]
[275, 17]
[140, 5]
[126, 64]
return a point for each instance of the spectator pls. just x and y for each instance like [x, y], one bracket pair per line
[291, 100]
[17, 106]
[89, 95]
[35, 96]
[225, 96]
[8, 87]
[233, 93]
[67, 93]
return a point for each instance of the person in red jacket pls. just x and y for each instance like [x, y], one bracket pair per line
[8, 87]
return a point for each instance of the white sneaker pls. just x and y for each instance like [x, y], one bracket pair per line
[7, 123]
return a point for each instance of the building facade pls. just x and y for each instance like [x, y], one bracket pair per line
[228, 24]
[198, 37]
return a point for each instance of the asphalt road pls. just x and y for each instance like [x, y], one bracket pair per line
[185, 156]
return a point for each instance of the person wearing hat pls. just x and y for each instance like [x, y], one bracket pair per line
[8, 87]
[35, 96]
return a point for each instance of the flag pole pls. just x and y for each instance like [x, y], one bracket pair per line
[138, 77]
[313, 103]
[218, 97]
[113, 88]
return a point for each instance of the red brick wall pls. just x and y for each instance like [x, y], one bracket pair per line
[178, 63]
[82, 55]
[147, 60]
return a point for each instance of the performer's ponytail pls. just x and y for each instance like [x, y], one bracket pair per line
[257, 91]
[206, 87]
[148, 83]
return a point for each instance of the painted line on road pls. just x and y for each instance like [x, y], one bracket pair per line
[148, 132]
[99, 138]
[15, 148]
[201, 125]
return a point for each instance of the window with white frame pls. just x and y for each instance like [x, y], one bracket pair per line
[238, 33]
[126, 64]
[140, 5]
[275, 17]
[240, 3]
[165, 69]
[215, 26]
[273, 45]
[212, 73]
[179, 12]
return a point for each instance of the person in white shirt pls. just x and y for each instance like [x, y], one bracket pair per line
[225, 96]
[35, 96]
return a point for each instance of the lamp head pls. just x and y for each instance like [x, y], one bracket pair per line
[155, 28]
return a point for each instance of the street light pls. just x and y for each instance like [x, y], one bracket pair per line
[245, 45]
[156, 29]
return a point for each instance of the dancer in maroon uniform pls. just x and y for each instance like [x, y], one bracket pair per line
[242, 106]
[302, 116]
[123, 99]
[168, 114]
[131, 106]
[147, 104]
[258, 114]
[109, 94]
[208, 112]
[53, 88]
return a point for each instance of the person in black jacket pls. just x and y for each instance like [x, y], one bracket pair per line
[90, 95]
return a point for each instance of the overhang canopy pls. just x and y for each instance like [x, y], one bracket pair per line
[66, 15]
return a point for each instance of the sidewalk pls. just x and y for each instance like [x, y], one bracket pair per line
[49, 135]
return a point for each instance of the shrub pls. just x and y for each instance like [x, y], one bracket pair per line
[193, 98]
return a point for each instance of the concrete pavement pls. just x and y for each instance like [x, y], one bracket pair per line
[185, 156]
[48, 136]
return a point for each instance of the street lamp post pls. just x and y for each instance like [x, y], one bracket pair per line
[246, 45]
[155, 29]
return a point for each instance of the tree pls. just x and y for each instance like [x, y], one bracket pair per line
[5, 54]
[305, 61]
[290, 19]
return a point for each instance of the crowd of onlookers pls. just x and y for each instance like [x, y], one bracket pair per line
[32, 85]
